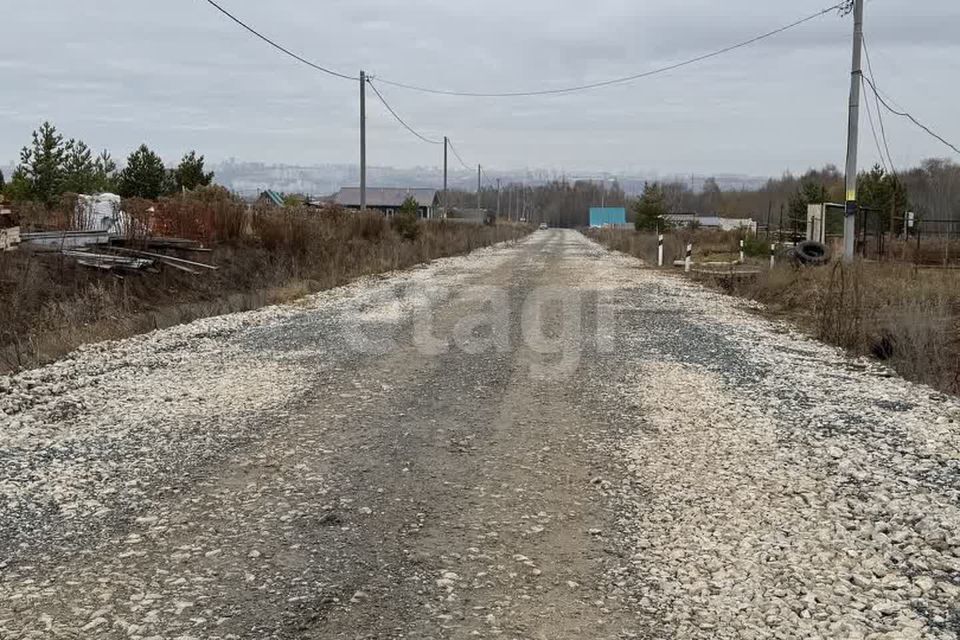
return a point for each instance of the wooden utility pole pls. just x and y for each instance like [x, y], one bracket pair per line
[363, 141]
[853, 135]
[498, 197]
[479, 171]
[446, 201]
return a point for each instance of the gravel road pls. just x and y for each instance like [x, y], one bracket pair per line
[539, 440]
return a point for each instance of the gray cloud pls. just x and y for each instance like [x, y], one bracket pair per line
[179, 76]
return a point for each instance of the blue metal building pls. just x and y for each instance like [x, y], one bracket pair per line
[608, 216]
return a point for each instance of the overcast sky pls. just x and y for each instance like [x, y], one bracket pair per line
[178, 75]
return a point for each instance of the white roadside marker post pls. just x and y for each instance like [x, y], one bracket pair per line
[741, 252]
[687, 263]
[660, 250]
[773, 255]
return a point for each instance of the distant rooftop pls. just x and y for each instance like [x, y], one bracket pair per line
[273, 197]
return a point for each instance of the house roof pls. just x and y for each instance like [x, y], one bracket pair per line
[392, 197]
[273, 197]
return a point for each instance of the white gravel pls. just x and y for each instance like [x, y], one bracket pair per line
[744, 481]
[777, 488]
[90, 438]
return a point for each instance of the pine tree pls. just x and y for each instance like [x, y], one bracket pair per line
[810, 192]
[650, 207]
[882, 193]
[105, 170]
[40, 175]
[144, 176]
[405, 221]
[79, 170]
[189, 174]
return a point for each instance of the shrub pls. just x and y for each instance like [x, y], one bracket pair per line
[756, 247]
[405, 222]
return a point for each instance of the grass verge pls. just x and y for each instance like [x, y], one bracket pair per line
[905, 315]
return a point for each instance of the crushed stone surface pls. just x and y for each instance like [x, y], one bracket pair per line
[662, 462]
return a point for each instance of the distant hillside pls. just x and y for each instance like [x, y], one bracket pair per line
[248, 178]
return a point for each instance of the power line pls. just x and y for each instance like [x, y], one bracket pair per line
[457, 156]
[399, 119]
[622, 80]
[873, 129]
[509, 94]
[883, 128]
[279, 47]
[905, 114]
[489, 181]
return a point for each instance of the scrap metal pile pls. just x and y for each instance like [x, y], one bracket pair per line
[143, 255]
[99, 234]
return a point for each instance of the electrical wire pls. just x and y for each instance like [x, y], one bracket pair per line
[905, 114]
[873, 129]
[279, 47]
[492, 182]
[621, 80]
[543, 92]
[883, 127]
[457, 155]
[399, 119]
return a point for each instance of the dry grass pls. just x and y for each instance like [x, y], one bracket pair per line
[707, 244]
[906, 315]
[49, 305]
[899, 313]
[931, 250]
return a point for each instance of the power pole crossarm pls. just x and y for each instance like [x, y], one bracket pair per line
[853, 135]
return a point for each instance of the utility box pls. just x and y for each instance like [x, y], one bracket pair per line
[817, 223]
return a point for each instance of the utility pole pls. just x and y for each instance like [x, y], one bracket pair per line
[853, 135]
[523, 206]
[769, 211]
[498, 197]
[780, 228]
[479, 171]
[363, 141]
[446, 202]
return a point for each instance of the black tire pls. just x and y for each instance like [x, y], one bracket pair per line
[812, 253]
